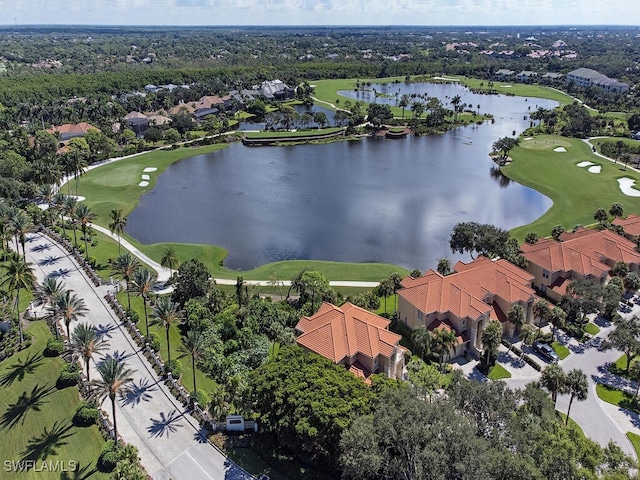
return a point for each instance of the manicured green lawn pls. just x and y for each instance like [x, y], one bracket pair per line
[562, 351]
[576, 192]
[203, 382]
[592, 329]
[37, 417]
[116, 186]
[299, 133]
[620, 366]
[634, 438]
[520, 89]
[498, 372]
[616, 397]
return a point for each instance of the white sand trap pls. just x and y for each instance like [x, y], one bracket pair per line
[584, 164]
[529, 138]
[559, 149]
[144, 183]
[150, 169]
[506, 86]
[626, 185]
[595, 169]
[145, 176]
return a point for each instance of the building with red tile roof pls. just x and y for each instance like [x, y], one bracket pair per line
[353, 337]
[465, 301]
[630, 225]
[589, 254]
[68, 131]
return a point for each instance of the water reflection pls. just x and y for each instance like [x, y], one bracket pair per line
[380, 200]
[499, 177]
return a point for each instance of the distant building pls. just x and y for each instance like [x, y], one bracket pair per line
[275, 90]
[68, 131]
[504, 74]
[527, 76]
[585, 77]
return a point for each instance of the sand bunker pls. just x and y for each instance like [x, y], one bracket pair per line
[150, 169]
[595, 169]
[144, 183]
[145, 176]
[559, 149]
[506, 86]
[584, 164]
[626, 185]
[529, 138]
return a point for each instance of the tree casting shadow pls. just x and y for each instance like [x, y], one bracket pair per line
[40, 448]
[21, 368]
[25, 403]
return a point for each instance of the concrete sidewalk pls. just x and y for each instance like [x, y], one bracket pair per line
[170, 441]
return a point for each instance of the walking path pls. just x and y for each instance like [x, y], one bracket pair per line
[171, 443]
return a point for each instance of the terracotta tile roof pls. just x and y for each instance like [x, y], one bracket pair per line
[210, 101]
[135, 116]
[360, 371]
[560, 285]
[584, 252]
[342, 332]
[447, 326]
[158, 120]
[630, 225]
[465, 292]
[183, 108]
[74, 128]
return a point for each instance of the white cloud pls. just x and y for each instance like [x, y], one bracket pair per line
[323, 12]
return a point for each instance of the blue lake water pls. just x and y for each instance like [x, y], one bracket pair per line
[372, 200]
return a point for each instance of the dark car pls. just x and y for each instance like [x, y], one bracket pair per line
[546, 351]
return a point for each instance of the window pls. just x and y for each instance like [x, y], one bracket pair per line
[545, 274]
[420, 316]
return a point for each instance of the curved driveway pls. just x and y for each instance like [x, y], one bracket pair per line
[171, 443]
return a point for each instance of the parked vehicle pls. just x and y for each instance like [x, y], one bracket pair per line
[546, 351]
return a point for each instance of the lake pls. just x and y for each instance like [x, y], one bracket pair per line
[372, 200]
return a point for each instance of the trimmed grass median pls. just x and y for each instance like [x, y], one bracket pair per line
[562, 351]
[37, 417]
[498, 372]
[617, 397]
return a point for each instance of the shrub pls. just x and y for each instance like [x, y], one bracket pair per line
[109, 457]
[69, 376]
[86, 414]
[574, 330]
[175, 367]
[200, 397]
[133, 315]
[154, 341]
[54, 347]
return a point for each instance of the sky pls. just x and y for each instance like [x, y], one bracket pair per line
[321, 12]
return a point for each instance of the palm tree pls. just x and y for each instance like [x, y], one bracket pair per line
[84, 216]
[455, 101]
[193, 344]
[19, 276]
[21, 224]
[385, 288]
[117, 224]
[125, 265]
[577, 386]
[166, 313]
[557, 318]
[86, 342]
[554, 379]
[170, 259]
[114, 381]
[69, 209]
[46, 193]
[516, 316]
[69, 307]
[142, 283]
[443, 341]
[541, 311]
[396, 283]
[491, 337]
[421, 338]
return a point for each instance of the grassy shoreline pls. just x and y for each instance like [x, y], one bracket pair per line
[116, 185]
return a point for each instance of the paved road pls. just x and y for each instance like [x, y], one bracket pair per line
[593, 415]
[169, 440]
